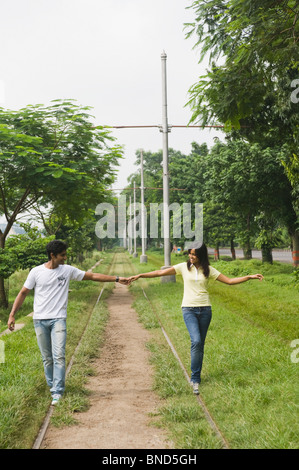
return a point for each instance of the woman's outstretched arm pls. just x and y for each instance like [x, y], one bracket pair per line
[160, 272]
[238, 280]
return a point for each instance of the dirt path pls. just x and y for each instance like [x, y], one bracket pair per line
[121, 391]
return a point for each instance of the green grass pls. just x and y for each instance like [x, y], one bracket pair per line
[179, 413]
[24, 395]
[76, 398]
[16, 281]
[249, 382]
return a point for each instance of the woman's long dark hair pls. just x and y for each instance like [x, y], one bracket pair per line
[202, 255]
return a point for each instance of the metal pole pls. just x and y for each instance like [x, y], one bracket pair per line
[143, 257]
[165, 131]
[122, 218]
[125, 238]
[130, 231]
[135, 254]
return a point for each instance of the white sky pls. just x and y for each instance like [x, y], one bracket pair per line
[105, 54]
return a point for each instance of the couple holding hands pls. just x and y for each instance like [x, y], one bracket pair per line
[50, 282]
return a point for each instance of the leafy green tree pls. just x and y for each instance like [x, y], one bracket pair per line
[258, 45]
[54, 156]
[248, 180]
[187, 182]
[22, 251]
[29, 249]
[184, 183]
[253, 52]
[220, 226]
[80, 238]
[269, 236]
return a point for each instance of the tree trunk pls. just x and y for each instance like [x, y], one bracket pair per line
[232, 249]
[216, 252]
[247, 245]
[2, 240]
[3, 296]
[267, 254]
[247, 250]
[295, 248]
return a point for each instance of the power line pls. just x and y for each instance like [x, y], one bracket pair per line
[139, 187]
[170, 126]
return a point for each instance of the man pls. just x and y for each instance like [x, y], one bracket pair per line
[50, 282]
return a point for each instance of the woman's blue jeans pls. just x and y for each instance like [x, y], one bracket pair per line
[51, 339]
[197, 321]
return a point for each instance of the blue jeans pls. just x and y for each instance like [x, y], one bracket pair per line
[197, 321]
[51, 339]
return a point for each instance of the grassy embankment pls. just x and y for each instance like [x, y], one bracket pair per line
[249, 382]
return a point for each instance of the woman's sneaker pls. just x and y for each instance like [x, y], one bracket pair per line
[195, 388]
[55, 399]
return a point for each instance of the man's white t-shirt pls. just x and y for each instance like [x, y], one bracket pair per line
[51, 287]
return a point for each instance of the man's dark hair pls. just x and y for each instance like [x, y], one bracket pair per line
[55, 247]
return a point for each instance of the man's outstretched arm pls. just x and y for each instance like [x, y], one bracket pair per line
[105, 278]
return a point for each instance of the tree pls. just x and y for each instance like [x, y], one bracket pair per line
[188, 177]
[29, 249]
[248, 182]
[22, 251]
[54, 156]
[153, 182]
[80, 238]
[257, 43]
[220, 226]
[252, 87]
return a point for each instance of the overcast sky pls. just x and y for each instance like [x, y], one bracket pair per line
[105, 54]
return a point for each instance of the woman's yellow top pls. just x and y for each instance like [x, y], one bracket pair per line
[195, 285]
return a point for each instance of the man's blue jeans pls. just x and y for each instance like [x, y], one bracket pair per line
[197, 321]
[51, 339]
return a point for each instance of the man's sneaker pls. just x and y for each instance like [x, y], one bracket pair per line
[195, 388]
[55, 399]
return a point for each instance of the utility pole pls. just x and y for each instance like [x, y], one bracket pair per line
[135, 254]
[130, 231]
[143, 257]
[165, 130]
[125, 238]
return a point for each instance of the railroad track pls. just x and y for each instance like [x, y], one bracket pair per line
[43, 429]
[122, 265]
[200, 401]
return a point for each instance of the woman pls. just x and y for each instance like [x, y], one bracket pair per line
[196, 304]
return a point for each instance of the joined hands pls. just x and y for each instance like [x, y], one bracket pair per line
[126, 281]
